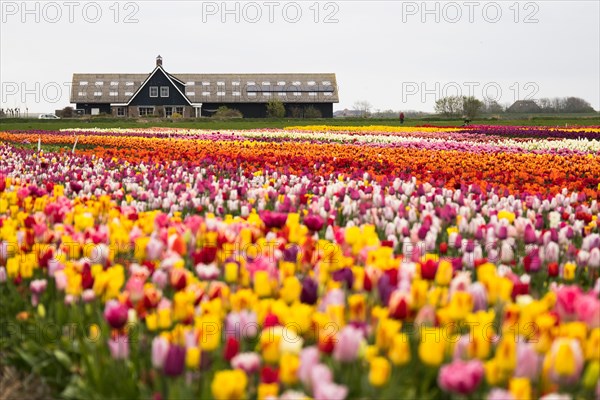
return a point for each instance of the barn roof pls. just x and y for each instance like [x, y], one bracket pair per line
[213, 88]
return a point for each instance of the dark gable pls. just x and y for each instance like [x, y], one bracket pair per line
[159, 79]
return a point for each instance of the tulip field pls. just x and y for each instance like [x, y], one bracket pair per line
[311, 262]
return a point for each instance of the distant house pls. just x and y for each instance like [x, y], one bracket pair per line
[193, 95]
[524, 106]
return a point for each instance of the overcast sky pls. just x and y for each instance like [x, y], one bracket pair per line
[397, 55]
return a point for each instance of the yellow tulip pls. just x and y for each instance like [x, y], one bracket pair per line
[399, 352]
[192, 358]
[432, 347]
[380, 370]
[288, 368]
[520, 388]
[229, 385]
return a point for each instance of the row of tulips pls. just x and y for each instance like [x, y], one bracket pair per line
[237, 274]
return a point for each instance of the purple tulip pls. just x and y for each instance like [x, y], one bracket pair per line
[175, 360]
[314, 222]
[344, 275]
[119, 347]
[309, 293]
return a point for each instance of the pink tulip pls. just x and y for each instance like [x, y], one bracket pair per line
[115, 314]
[160, 347]
[348, 344]
[247, 362]
[566, 297]
[119, 347]
[309, 358]
[330, 391]
[461, 377]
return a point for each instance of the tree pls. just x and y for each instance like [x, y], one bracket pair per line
[67, 112]
[275, 109]
[363, 107]
[492, 107]
[577, 105]
[224, 112]
[450, 106]
[312, 112]
[471, 107]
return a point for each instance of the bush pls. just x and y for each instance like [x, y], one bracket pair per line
[225, 112]
[296, 112]
[176, 116]
[312, 112]
[275, 109]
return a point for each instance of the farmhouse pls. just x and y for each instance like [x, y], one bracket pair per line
[194, 95]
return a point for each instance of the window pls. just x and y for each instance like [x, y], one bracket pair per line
[205, 83]
[251, 83]
[114, 93]
[190, 93]
[99, 83]
[179, 110]
[190, 83]
[267, 94]
[153, 91]
[97, 93]
[120, 111]
[128, 83]
[83, 83]
[81, 94]
[296, 83]
[282, 93]
[312, 93]
[145, 111]
[114, 83]
[311, 83]
[297, 93]
[281, 83]
[164, 91]
[236, 93]
[220, 83]
[220, 93]
[235, 83]
[328, 93]
[266, 83]
[128, 93]
[251, 94]
[205, 93]
[168, 111]
[327, 83]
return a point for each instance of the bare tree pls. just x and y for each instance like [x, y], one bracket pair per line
[363, 107]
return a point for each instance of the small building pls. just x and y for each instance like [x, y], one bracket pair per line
[162, 94]
[524, 106]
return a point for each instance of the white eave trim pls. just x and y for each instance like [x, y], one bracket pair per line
[118, 104]
[150, 76]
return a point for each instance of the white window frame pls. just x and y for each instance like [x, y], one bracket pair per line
[236, 93]
[312, 94]
[328, 93]
[129, 83]
[281, 83]
[97, 94]
[113, 83]
[82, 94]
[190, 93]
[326, 83]
[99, 83]
[266, 83]
[147, 108]
[162, 88]
[205, 93]
[120, 111]
[236, 83]
[297, 93]
[114, 94]
[296, 83]
[251, 94]
[168, 111]
[220, 93]
[282, 94]
[251, 83]
[311, 83]
[190, 83]
[267, 94]
[153, 88]
[205, 83]
[83, 83]
[180, 108]
[220, 83]
[128, 93]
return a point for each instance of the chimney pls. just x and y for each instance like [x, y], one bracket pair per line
[159, 61]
